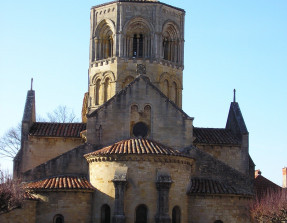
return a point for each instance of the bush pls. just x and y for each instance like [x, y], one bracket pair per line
[271, 208]
[11, 192]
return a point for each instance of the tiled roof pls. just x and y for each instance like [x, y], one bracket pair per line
[46, 129]
[209, 186]
[214, 136]
[136, 146]
[262, 185]
[61, 183]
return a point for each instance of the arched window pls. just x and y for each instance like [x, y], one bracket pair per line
[137, 39]
[165, 48]
[218, 221]
[107, 89]
[170, 42]
[138, 45]
[141, 214]
[97, 92]
[173, 93]
[176, 215]
[58, 218]
[103, 41]
[165, 87]
[110, 47]
[105, 214]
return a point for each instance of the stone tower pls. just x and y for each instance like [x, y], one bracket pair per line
[129, 38]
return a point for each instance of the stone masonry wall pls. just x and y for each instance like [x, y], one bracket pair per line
[72, 163]
[25, 214]
[38, 150]
[228, 209]
[208, 166]
[74, 206]
[231, 155]
[141, 186]
[111, 122]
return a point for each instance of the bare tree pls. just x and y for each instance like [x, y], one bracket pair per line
[11, 192]
[271, 208]
[62, 114]
[10, 142]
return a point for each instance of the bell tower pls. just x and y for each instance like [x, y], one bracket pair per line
[129, 38]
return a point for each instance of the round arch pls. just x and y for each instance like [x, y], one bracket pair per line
[103, 25]
[137, 38]
[103, 44]
[141, 214]
[170, 41]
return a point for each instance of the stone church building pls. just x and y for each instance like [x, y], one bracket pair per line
[136, 157]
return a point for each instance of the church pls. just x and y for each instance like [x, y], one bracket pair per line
[136, 157]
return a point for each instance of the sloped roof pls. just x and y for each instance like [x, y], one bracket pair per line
[214, 136]
[262, 185]
[209, 187]
[61, 183]
[235, 119]
[137, 146]
[46, 129]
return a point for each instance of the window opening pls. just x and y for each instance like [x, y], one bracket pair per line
[176, 215]
[141, 45]
[105, 214]
[58, 218]
[98, 85]
[140, 130]
[135, 45]
[138, 45]
[141, 214]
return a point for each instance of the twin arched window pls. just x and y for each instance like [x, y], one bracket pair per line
[171, 91]
[102, 90]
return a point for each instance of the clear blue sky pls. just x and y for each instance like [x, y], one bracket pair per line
[228, 44]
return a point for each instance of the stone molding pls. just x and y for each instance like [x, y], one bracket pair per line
[142, 157]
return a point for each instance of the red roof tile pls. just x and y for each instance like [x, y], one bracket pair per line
[61, 183]
[214, 136]
[136, 146]
[209, 186]
[262, 185]
[46, 129]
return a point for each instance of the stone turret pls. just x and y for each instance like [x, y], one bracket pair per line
[126, 35]
[236, 124]
[29, 116]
